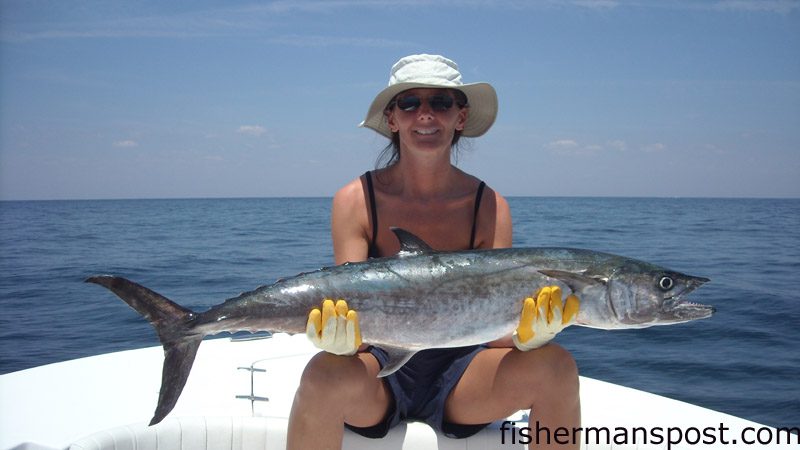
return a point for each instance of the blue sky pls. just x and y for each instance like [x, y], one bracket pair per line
[135, 99]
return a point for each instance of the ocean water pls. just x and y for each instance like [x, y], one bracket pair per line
[744, 361]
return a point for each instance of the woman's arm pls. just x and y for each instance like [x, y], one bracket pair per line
[503, 231]
[349, 224]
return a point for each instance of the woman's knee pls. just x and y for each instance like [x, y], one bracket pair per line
[552, 365]
[328, 376]
[346, 388]
[564, 365]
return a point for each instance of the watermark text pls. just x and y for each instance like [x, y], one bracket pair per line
[511, 433]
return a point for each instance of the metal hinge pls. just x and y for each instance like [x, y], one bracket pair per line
[252, 397]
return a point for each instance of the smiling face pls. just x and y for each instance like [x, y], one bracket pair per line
[425, 122]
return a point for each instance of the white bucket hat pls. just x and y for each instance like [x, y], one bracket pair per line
[434, 71]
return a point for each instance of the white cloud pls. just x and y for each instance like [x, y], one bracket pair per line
[596, 4]
[563, 144]
[713, 148]
[618, 145]
[126, 144]
[573, 147]
[252, 130]
[653, 148]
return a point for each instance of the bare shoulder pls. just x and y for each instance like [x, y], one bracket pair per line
[502, 205]
[350, 198]
[494, 221]
[349, 223]
[504, 234]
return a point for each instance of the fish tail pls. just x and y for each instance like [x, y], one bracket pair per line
[172, 323]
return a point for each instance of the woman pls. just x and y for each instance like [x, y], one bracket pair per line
[424, 111]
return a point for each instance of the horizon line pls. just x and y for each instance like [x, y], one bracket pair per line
[330, 197]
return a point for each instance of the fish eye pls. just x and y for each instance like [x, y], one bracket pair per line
[666, 283]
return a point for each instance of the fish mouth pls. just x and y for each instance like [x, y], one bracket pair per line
[692, 311]
[683, 309]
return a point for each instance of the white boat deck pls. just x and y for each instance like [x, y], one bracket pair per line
[57, 405]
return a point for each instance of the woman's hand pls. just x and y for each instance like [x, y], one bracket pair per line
[334, 329]
[544, 317]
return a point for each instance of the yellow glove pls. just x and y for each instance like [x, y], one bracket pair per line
[335, 329]
[544, 317]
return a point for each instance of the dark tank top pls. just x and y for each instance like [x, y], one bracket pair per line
[373, 249]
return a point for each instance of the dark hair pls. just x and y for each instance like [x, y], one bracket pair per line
[391, 153]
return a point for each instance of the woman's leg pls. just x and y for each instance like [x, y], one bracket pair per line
[501, 381]
[334, 390]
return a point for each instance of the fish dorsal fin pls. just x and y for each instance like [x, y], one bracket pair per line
[411, 245]
[576, 281]
[397, 357]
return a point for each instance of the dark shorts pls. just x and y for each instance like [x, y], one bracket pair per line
[420, 389]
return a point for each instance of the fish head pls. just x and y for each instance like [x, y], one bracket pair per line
[628, 293]
[644, 295]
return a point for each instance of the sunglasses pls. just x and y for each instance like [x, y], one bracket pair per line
[437, 102]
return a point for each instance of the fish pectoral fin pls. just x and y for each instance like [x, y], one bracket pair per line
[397, 357]
[575, 280]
